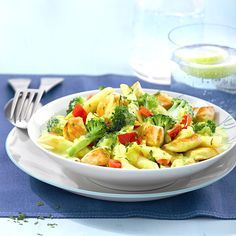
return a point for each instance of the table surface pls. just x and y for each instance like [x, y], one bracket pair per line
[64, 37]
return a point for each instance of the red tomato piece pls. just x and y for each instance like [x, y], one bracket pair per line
[174, 131]
[114, 163]
[136, 124]
[186, 121]
[79, 111]
[145, 112]
[164, 162]
[139, 140]
[127, 137]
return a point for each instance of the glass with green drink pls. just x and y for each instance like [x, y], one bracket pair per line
[204, 56]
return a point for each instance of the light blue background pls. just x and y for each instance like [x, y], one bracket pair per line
[77, 36]
[88, 37]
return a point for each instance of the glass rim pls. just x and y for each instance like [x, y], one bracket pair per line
[170, 38]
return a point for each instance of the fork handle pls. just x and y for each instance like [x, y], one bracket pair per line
[47, 84]
[19, 83]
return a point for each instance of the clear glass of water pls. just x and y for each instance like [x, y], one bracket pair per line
[204, 56]
[154, 20]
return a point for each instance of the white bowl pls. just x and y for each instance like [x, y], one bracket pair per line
[129, 180]
[20, 150]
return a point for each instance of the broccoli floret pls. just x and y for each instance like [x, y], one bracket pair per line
[205, 127]
[162, 120]
[73, 102]
[101, 87]
[108, 141]
[120, 118]
[147, 100]
[180, 108]
[56, 125]
[96, 129]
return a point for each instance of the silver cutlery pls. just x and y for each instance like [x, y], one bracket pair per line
[25, 98]
[19, 83]
[26, 101]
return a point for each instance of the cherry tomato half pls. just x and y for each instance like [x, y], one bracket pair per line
[174, 131]
[186, 121]
[145, 112]
[114, 163]
[129, 138]
[79, 111]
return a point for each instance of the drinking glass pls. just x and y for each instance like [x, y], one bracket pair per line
[154, 20]
[204, 56]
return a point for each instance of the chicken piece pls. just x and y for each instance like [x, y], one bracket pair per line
[74, 128]
[183, 144]
[201, 153]
[164, 99]
[204, 113]
[154, 135]
[97, 157]
[107, 106]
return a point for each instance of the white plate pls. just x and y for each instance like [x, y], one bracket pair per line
[122, 179]
[39, 165]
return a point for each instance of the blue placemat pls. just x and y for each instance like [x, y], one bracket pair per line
[20, 192]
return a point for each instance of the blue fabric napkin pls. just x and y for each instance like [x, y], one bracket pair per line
[20, 192]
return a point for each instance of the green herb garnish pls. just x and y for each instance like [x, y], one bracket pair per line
[40, 204]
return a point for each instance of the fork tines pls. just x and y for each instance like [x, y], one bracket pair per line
[25, 103]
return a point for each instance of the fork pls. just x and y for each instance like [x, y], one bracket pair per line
[26, 101]
[25, 98]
